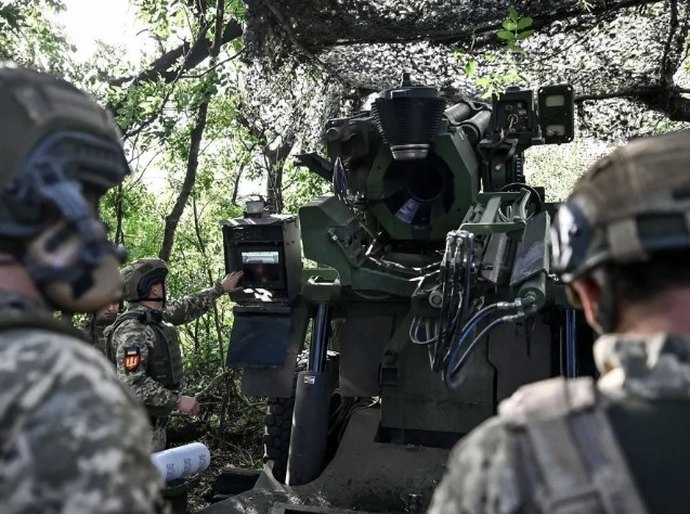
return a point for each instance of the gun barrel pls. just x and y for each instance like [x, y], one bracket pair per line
[476, 126]
[458, 112]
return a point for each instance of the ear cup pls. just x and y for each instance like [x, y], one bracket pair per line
[71, 274]
[106, 287]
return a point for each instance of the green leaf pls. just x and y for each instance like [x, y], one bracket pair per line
[459, 53]
[525, 22]
[470, 67]
[509, 24]
[513, 14]
[504, 34]
[525, 34]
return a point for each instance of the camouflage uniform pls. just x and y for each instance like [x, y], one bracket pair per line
[74, 439]
[94, 329]
[133, 335]
[487, 470]
[58, 395]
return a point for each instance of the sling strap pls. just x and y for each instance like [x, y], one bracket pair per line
[571, 456]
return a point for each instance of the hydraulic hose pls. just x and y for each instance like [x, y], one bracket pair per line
[570, 344]
[453, 364]
[456, 271]
[449, 375]
[478, 317]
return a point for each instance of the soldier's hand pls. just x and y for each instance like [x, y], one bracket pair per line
[229, 283]
[188, 405]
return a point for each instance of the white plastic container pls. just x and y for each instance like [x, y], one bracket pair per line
[182, 462]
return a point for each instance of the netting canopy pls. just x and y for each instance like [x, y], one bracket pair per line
[308, 61]
[624, 56]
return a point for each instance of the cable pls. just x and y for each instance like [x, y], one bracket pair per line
[449, 373]
[469, 326]
[414, 331]
[452, 357]
[447, 273]
[456, 279]
[469, 261]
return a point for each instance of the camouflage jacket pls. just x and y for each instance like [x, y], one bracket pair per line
[133, 334]
[187, 309]
[94, 329]
[73, 437]
[486, 470]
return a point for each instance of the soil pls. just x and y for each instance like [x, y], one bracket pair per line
[237, 443]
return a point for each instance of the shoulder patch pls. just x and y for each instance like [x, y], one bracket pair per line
[132, 358]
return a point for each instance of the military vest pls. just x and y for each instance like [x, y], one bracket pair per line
[165, 358]
[569, 452]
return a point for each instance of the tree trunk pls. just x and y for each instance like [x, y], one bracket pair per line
[173, 219]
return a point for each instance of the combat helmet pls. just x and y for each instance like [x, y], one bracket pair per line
[629, 205]
[140, 275]
[60, 153]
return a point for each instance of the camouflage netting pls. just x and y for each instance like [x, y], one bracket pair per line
[308, 61]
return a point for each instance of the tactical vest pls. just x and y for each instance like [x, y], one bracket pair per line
[569, 452]
[165, 358]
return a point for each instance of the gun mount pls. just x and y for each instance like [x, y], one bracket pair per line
[433, 291]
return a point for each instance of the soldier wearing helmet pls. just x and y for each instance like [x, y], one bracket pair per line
[143, 342]
[74, 439]
[621, 243]
[94, 327]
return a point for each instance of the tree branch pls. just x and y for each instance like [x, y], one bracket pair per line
[164, 67]
[666, 100]
[173, 219]
[192, 54]
[206, 72]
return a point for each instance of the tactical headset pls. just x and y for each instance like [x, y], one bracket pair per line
[67, 254]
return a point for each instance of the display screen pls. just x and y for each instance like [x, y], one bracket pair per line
[261, 268]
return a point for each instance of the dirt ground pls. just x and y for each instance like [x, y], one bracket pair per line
[238, 443]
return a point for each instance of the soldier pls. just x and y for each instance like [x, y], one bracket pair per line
[143, 343]
[95, 326]
[622, 243]
[73, 437]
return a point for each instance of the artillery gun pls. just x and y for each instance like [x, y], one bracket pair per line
[432, 300]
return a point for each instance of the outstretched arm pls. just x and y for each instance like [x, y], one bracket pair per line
[190, 307]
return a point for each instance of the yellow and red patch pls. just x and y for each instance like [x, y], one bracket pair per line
[132, 358]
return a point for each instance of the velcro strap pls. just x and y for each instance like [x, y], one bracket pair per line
[624, 241]
[569, 451]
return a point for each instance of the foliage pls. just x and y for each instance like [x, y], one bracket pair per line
[302, 186]
[488, 77]
[29, 37]
[515, 29]
[157, 117]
